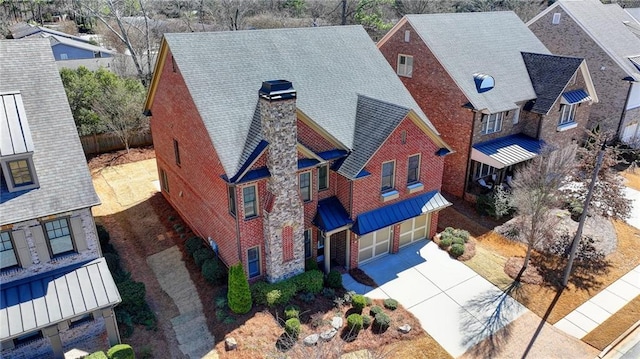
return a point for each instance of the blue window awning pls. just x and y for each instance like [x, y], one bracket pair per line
[33, 303]
[506, 151]
[398, 212]
[576, 96]
[331, 215]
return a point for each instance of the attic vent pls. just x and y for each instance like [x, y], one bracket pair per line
[556, 18]
[483, 82]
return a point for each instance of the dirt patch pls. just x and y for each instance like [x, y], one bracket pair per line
[120, 157]
[530, 275]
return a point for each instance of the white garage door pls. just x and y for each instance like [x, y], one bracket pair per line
[414, 229]
[374, 244]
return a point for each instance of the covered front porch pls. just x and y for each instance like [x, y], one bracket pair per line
[493, 162]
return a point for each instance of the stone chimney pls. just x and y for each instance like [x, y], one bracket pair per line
[283, 218]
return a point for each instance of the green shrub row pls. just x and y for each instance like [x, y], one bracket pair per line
[453, 240]
[119, 351]
[212, 268]
[280, 293]
[334, 279]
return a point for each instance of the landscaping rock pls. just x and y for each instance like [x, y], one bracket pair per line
[404, 329]
[337, 322]
[230, 344]
[311, 340]
[328, 334]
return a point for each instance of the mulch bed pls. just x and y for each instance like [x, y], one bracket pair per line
[530, 275]
[120, 157]
[361, 277]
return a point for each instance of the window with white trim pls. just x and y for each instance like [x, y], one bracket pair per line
[304, 181]
[492, 123]
[307, 243]
[567, 113]
[388, 174]
[8, 257]
[405, 65]
[253, 261]
[483, 170]
[58, 234]
[413, 169]
[250, 201]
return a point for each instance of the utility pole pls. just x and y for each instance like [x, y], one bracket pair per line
[583, 216]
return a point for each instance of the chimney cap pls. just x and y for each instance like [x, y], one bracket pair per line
[277, 90]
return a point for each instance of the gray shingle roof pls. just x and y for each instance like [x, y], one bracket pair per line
[328, 66]
[549, 75]
[65, 183]
[468, 43]
[606, 25]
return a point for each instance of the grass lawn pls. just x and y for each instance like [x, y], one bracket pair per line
[613, 327]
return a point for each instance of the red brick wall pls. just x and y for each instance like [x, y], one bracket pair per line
[203, 201]
[251, 230]
[440, 98]
[312, 139]
[366, 191]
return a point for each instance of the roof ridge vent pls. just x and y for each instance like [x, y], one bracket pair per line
[483, 82]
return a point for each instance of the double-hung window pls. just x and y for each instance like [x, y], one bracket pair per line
[413, 170]
[250, 201]
[307, 243]
[8, 256]
[305, 186]
[405, 65]
[253, 261]
[323, 177]
[388, 173]
[58, 233]
[492, 123]
[567, 114]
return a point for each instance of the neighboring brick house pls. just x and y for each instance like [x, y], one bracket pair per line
[608, 37]
[491, 88]
[56, 291]
[337, 162]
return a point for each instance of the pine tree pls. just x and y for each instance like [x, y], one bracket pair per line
[239, 295]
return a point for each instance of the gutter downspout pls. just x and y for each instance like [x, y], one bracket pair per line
[624, 110]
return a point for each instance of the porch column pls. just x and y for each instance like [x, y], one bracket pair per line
[54, 338]
[327, 252]
[112, 326]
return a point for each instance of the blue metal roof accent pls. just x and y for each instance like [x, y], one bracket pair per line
[576, 96]
[442, 152]
[255, 154]
[397, 212]
[331, 215]
[40, 301]
[307, 162]
[363, 173]
[332, 154]
[262, 172]
[506, 151]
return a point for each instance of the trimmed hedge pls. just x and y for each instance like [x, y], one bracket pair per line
[390, 304]
[292, 327]
[121, 351]
[239, 295]
[310, 264]
[311, 281]
[214, 271]
[366, 321]
[201, 255]
[355, 322]
[456, 250]
[381, 322]
[334, 279]
[375, 310]
[358, 302]
[97, 355]
[193, 244]
[281, 293]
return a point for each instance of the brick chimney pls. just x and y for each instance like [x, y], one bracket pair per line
[283, 218]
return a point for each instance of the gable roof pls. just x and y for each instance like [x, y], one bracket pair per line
[608, 25]
[55, 40]
[23, 29]
[549, 75]
[330, 67]
[470, 43]
[28, 67]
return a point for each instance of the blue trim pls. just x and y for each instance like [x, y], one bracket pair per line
[259, 173]
[255, 154]
[307, 162]
[442, 152]
[397, 212]
[415, 185]
[363, 173]
[332, 154]
[390, 193]
[331, 215]
[576, 96]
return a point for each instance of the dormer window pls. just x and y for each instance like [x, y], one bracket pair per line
[16, 145]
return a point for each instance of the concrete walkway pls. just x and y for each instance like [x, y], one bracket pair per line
[455, 305]
[600, 307]
[190, 326]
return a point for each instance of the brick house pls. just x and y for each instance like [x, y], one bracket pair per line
[608, 37]
[496, 99]
[337, 162]
[56, 291]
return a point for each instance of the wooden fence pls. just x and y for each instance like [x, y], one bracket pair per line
[107, 142]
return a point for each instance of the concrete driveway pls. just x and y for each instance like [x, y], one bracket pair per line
[455, 305]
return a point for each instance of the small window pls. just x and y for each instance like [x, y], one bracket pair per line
[8, 258]
[492, 123]
[164, 180]
[556, 18]
[27, 339]
[250, 203]
[516, 116]
[307, 243]
[323, 177]
[20, 173]
[567, 114]
[253, 261]
[176, 152]
[305, 186]
[232, 200]
[413, 170]
[405, 65]
[64, 57]
[407, 35]
[59, 236]
[388, 170]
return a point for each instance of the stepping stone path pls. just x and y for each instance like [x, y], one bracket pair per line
[194, 338]
[328, 335]
[311, 340]
[336, 322]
